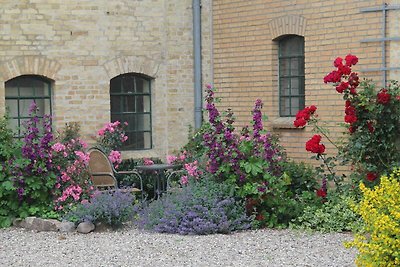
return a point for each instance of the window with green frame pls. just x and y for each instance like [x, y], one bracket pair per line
[130, 99]
[19, 94]
[291, 75]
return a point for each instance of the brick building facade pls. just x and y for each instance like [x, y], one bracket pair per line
[77, 47]
[248, 48]
[80, 47]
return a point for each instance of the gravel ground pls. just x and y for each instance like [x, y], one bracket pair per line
[131, 247]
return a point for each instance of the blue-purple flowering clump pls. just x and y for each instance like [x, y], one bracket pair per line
[112, 208]
[200, 208]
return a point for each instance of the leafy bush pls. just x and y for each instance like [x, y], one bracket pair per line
[8, 195]
[111, 208]
[333, 215]
[302, 177]
[201, 207]
[380, 211]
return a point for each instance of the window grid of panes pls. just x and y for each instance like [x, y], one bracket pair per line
[291, 75]
[130, 99]
[19, 94]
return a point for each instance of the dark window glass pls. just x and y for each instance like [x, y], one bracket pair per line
[19, 94]
[130, 99]
[291, 75]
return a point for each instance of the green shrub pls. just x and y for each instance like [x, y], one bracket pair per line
[301, 177]
[380, 211]
[334, 215]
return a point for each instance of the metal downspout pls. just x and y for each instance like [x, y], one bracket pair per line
[198, 98]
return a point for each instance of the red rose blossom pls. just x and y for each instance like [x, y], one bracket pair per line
[304, 115]
[338, 62]
[321, 193]
[383, 97]
[313, 145]
[351, 60]
[371, 176]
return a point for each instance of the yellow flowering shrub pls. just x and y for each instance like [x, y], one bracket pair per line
[380, 211]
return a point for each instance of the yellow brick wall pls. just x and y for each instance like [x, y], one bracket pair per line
[81, 45]
[245, 56]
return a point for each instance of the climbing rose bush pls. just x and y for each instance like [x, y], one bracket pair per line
[372, 120]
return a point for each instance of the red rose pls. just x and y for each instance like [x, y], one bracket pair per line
[313, 145]
[321, 193]
[370, 126]
[351, 60]
[338, 62]
[354, 80]
[352, 129]
[350, 119]
[371, 176]
[299, 122]
[383, 97]
[342, 87]
[260, 217]
[333, 77]
[346, 70]
[304, 115]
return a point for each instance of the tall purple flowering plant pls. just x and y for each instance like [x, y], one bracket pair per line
[248, 159]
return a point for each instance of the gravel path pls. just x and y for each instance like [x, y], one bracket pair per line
[131, 247]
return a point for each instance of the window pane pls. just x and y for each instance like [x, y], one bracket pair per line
[115, 104]
[294, 66]
[285, 86]
[295, 84]
[115, 85]
[26, 91]
[143, 122]
[291, 46]
[12, 107]
[13, 124]
[11, 89]
[129, 104]
[128, 82]
[142, 85]
[47, 106]
[284, 68]
[143, 103]
[117, 117]
[295, 101]
[285, 106]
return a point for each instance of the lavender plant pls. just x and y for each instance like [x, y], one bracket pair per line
[111, 208]
[201, 207]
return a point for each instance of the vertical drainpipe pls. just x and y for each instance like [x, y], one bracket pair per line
[198, 98]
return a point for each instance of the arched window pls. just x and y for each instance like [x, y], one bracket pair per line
[291, 75]
[19, 94]
[130, 97]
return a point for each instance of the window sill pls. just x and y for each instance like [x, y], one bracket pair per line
[284, 123]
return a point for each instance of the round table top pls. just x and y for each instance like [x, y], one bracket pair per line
[157, 167]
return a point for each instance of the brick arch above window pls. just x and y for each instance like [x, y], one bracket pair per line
[131, 64]
[29, 65]
[285, 25]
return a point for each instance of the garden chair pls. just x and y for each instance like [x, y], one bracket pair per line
[103, 173]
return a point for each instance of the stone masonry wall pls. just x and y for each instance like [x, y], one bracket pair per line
[245, 56]
[81, 45]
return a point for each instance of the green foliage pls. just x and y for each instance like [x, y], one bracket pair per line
[333, 215]
[373, 146]
[9, 148]
[300, 177]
